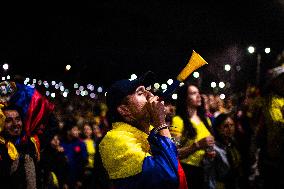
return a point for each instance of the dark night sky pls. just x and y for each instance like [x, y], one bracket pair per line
[115, 40]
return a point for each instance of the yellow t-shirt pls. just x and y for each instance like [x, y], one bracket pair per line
[274, 121]
[90, 145]
[201, 132]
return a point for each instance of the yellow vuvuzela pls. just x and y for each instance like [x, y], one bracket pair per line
[195, 62]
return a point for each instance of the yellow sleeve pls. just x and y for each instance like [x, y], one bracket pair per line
[177, 126]
[276, 109]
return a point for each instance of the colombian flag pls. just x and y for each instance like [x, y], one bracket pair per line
[35, 111]
[134, 159]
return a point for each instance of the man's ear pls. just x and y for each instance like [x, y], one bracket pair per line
[123, 110]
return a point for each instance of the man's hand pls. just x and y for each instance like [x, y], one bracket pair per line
[156, 110]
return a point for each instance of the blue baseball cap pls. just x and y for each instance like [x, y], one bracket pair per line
[122, 88]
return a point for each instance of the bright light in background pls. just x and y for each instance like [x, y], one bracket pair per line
[65, 94]
[8, 77]
[92, 95]
[170, 81]
[156, 85]
[181, 84]
[5, 66]
[251, 49]
[88, 86]
[164, 86]
[213, 84]
[92, 87]
[68, 67]
[196, 74]
[47, 93]
[52, 95]
[100, 89]
[76, 85]
[62, 88]
[174, 96]
[3, 78]
[132, 77]
[227, 67]
[222, 96]
[221, 84]
[267, 50]
[53, 82]
[81, 88]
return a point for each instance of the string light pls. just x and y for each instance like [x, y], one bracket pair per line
[5, 66]
[196, 74]
[100, 89]
[164, 86]
[52, 95]
[170, 81]
[60, 86]
[68, 67]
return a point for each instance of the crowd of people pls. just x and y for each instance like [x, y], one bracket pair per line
[133, 139]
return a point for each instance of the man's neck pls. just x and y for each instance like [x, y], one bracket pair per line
[143, 126]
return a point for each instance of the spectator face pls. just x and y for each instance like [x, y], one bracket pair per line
[88, 131]
[193, 96]
[213, 105]
[206, 102]
[227, 128]
[220, 102]
[74, 132]
[97, 131]
[13, 122]
[55, 142]
[136, 104]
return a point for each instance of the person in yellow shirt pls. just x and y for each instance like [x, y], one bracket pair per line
[192, 131]
[270, 132]
[88, 138]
